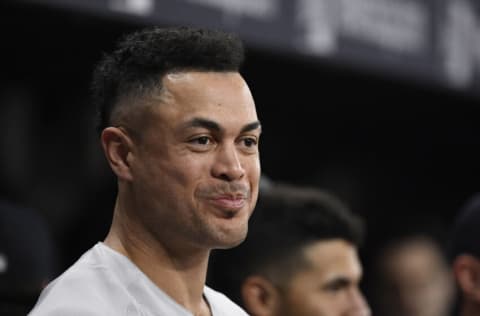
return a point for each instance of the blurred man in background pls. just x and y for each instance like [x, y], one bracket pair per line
[411, 277]
[464, 251]
[180, 131]
[299, 259]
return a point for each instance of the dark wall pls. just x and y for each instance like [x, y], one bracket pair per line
[385, 145]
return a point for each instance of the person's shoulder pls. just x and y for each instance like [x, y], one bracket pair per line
[87, 288]
[221, 305]
[61, 309]
[69, 294]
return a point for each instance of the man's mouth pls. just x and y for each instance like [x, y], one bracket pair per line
[230, 203]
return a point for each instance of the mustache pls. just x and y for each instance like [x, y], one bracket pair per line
[237, 190]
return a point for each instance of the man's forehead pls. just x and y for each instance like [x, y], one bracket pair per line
[331, 245]
[333, 255]
[203, 85]
[178, 76]
[186, 76]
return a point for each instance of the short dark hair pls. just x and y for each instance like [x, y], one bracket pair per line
[142, 58]
[285, 221]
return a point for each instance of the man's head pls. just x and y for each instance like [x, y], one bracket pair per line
[134, 71]
[412, 277]
[300, 257]
[464, 252]
[180, 131]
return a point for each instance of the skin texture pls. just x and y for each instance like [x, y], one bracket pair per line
[329, 287]
[188, 173]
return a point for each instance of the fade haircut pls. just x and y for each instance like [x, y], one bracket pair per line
[287, 219]
[140, 60]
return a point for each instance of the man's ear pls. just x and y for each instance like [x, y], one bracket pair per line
[117, 147]
[467, 273]
[260, 296]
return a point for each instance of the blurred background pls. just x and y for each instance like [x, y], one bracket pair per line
[373, 100]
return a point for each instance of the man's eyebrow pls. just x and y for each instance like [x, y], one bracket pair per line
[212, 125]
[338, 282]
[205, 123]
[251, 127]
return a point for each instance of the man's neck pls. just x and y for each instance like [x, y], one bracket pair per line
[179, 272]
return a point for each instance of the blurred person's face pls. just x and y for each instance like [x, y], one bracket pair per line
[329, 286]
[195, 166]
[416, 280]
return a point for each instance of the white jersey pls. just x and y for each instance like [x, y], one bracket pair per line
[104, 282]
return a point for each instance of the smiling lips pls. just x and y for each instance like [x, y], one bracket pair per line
[229, 202]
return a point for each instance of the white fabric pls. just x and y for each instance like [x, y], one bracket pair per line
[104, 282]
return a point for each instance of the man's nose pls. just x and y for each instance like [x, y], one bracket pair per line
[359, 306]
[228, 165]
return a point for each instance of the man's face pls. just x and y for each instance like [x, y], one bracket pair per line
[196, 165]
[414, 279]
[329, 287]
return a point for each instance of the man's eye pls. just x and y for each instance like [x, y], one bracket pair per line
[249, 142]
[334, 287]
[202, 140]
[337, 285]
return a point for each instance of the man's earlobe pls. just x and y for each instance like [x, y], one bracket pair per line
[117, 147]
[260, 296]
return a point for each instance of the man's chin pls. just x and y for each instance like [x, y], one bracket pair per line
[231, 240]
